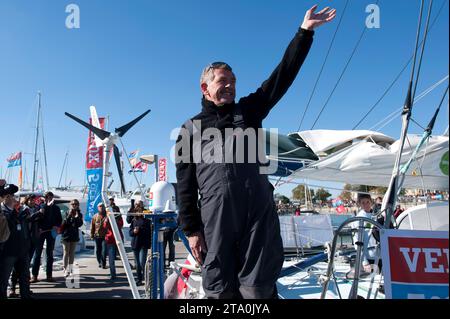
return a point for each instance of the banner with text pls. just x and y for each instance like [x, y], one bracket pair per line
[162, 169]
[94, 173]
[415, 264]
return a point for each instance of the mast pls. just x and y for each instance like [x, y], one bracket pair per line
[62, 170]
[390, 198]
[45, 157]
[306, 195]
[36, 143]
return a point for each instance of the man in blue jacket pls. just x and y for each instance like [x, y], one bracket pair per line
[235, 233]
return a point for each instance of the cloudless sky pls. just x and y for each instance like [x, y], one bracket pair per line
[128, 56]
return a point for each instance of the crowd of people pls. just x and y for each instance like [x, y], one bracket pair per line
[25, 227]
[34, 222]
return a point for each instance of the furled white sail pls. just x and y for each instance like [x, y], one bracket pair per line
[369, 163]
[328, 141]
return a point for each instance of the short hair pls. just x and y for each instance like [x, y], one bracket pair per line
[29, 198]
[208, 72]
[47, 194]
[361, 196]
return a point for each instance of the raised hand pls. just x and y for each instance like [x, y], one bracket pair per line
[313, 20]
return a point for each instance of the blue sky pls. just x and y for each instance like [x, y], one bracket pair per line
[129, 56]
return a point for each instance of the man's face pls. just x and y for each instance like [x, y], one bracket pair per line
[9, 200]
[366, 204]
[222, 90]
[48, 198]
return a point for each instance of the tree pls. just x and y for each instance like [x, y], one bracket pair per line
[376, 190]
[346, 193]
[284, 199]
[298, 193]
[322, 195]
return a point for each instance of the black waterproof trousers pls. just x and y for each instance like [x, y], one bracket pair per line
[242, 231]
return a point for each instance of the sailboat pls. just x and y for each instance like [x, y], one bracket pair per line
[355, 157]
[367, 162]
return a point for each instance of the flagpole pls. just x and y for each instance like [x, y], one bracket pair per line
[20, 181]
[156, 168]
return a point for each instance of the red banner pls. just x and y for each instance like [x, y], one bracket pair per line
[419, 260]
[162, 169]
[94, 154]
[340, 209]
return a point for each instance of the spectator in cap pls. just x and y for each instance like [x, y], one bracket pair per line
[48, 223]
[15, 252]
[113, 205]
[32, 213]
[4, 229]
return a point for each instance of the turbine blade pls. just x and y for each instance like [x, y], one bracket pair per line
[97, 131]
[119, 167]
[96, 123]
[123, 129]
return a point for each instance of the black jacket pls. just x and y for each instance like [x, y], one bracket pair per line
[248, 112]
[19, 241]
[70, 227]
[34, 215]
[51, 217]
[143, 239]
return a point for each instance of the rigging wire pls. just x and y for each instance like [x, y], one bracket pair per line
[415, 122]
[323, 65]
[341, 75]
[391, 194]
[399, 74]
[425, 36]
[379, 125]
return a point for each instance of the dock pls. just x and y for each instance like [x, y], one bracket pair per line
[91, 282]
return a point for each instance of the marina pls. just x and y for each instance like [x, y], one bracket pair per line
[152, 209]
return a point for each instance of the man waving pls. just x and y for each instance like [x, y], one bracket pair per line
[233, 230]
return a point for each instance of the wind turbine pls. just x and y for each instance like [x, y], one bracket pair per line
[109, 140]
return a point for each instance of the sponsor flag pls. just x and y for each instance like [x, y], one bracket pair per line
[340, 209]
[94, 173]
[139, 167]
[15, 160]
[133, 157]
[162, 169]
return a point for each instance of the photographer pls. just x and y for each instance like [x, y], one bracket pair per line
[15, 252]
[70, 235]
